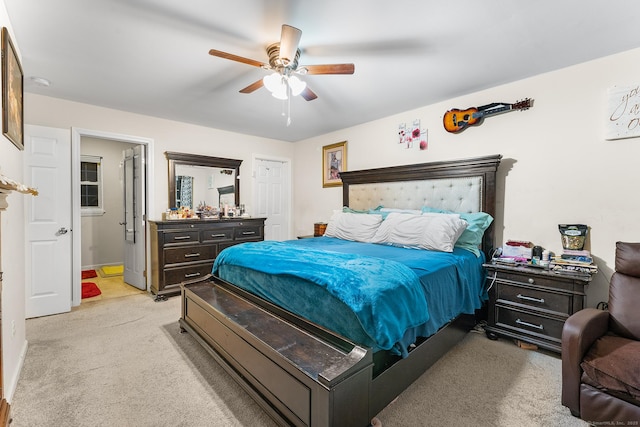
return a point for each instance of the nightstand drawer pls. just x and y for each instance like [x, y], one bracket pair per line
[555, 302]
[190, 254]
[520, 321]
[528, 279]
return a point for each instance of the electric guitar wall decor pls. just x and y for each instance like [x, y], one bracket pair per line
[458, 120]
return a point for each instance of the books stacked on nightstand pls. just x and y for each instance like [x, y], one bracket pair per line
[574, 261]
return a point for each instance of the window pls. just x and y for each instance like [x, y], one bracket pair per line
[91, 186]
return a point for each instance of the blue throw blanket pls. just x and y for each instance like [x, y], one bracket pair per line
[386, 296]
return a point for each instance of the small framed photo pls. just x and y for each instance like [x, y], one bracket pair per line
[334, 162]
[12, 92]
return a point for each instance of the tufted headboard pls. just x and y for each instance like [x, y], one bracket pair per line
[467, 185]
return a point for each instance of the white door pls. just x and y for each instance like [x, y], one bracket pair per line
[47, 167]
[134, 224]
[272, 198]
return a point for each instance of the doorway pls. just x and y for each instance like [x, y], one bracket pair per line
[113, 145]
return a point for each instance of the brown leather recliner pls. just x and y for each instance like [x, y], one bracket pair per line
[601, 350]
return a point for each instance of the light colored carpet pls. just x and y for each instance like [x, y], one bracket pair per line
[122, 362]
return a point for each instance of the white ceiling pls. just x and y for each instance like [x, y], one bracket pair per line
[151, 56]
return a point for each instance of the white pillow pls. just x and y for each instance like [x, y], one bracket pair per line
[352, 226]
[428, 231]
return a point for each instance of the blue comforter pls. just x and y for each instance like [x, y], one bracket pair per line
[386, 296]
[394, 296]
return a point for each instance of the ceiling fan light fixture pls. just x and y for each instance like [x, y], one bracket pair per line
[276, 84]
[273, 82]
[281, 93]
[296, 85]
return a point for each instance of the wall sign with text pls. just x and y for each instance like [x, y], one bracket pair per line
[623, 111]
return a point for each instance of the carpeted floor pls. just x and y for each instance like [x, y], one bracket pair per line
[123, 362]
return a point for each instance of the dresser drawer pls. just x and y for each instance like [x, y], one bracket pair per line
[248, 233]
[216, 235]
[178, 255]
[174, 276]
[181, 237]
[536, 298]
[508, 318]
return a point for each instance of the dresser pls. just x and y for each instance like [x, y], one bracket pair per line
[186, 249]
[531, 304]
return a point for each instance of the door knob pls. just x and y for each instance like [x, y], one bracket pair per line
[62, 230]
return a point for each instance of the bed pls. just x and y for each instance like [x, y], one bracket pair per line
[300, 355]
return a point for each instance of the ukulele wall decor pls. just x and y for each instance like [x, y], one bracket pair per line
[458, 120]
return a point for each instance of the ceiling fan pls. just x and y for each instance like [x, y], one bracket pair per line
[283, 61]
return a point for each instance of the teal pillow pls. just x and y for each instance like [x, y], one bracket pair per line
[471, 238]
[375, 211]
[347, 209]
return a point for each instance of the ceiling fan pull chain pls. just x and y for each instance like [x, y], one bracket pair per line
[288, 105]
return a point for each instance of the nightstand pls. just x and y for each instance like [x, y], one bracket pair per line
[531, 304]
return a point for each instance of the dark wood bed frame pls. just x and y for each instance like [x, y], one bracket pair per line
[300, 373]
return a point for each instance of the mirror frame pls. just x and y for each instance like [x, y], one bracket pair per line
[199, 160]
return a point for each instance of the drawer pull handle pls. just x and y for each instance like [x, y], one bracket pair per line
[191, 255]
[531, 325]
[531, 280]
[217, 235]
[191, 275]
[248, 233]
[182, 238]
[526, 298]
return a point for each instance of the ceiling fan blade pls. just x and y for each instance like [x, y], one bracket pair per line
[237, 58]
[253, 87]
[289, 40]
[330, 69]
[308, 94]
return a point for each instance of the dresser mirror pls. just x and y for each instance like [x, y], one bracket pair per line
[196, 179]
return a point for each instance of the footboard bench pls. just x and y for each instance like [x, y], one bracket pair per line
[299, 376]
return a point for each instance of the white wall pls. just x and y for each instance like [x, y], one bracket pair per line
[12, 250]
[557, 166]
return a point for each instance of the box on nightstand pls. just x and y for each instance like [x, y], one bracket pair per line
[517, 249]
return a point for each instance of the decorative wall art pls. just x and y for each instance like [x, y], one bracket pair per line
[334, 161]
[623, 111]
[458, 120]
[12, 92]
[410, 136]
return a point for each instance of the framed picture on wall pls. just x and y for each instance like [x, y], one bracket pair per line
[12, 92]
[334, 161]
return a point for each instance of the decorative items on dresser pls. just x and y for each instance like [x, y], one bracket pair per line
[531, 304]
[186, 249]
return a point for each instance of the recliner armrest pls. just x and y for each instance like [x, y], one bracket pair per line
[580, 331]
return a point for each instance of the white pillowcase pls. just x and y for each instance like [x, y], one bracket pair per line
[352, 226]
[427, 231]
